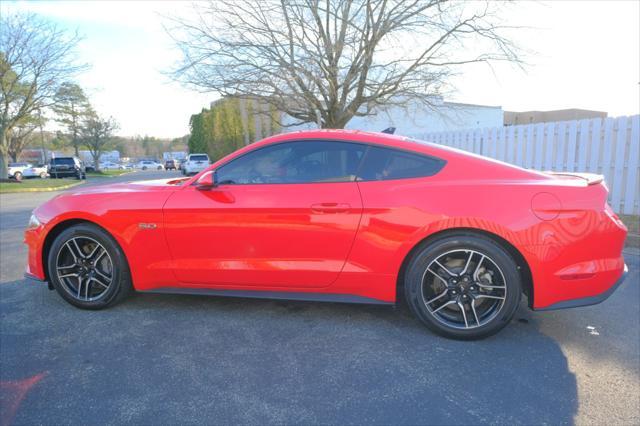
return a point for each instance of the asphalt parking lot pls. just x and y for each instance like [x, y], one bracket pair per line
[164, 359]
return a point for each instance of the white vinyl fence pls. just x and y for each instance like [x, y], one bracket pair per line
[609, 146]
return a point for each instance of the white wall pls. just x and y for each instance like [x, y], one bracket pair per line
[446, 116]
[609, 146]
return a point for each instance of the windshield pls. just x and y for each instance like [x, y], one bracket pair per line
[68, 161]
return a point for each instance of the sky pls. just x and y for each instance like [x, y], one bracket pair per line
[581, 54]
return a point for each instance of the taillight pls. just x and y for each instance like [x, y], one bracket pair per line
[614, 217]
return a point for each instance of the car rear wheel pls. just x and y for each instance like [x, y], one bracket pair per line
[463, 286]
[17, 176]
[43, 175]
[87, 267]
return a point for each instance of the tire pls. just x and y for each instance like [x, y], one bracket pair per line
[17, 176]
[43, 175]
[144, 167]
[463, 286]
[112, 269]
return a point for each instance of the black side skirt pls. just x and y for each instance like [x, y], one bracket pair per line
[279, 295]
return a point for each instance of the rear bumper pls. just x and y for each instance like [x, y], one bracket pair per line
[63, 173]
[588, 301]
[196, 168]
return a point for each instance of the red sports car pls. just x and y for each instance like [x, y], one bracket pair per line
[341, 216]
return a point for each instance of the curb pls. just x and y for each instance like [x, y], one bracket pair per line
[57, 188]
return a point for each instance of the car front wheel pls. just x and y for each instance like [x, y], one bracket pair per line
[463, 286]
[87, 267]
[17, 176]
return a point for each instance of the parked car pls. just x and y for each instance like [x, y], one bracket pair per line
[149, 165]
[67, 167]
[16, 170]
[109, 165]
[171, 164]
[195, 163]
[342, 216]
[39, 171]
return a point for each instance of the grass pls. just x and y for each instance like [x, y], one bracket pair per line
[108, 173]
[633, 224]
[35, 185]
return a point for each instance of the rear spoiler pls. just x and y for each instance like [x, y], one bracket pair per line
[591, 178]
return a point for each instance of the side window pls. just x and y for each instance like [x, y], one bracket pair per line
[388, 163]
[295, 162]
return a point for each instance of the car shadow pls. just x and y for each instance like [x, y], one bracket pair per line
[188, 359]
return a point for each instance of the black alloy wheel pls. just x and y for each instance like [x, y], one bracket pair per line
[87, 267]
[463, 286]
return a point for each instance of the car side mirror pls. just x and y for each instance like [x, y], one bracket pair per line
[208, 181]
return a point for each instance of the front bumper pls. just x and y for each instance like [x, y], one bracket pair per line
[34, 239]
[588, 301]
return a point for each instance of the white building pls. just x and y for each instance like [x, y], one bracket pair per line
[112, 156]
[416, 119]
[174, 155]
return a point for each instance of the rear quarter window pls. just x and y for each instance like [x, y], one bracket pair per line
[62, 161]
[388, 163]
[199, 158]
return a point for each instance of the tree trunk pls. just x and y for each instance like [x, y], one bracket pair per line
[4, 172]
[334, 124]
[96, 160]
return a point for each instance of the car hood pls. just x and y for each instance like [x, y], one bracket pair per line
[135, 186]
[93, 202]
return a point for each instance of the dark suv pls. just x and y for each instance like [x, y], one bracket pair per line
[171, 165]
[67, 167]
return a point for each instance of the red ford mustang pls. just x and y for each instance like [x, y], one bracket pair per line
[341, 216]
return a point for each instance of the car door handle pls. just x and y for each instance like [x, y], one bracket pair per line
[330, 208]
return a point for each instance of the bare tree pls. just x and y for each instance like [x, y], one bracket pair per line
[329, 61]
[35, 58]
[97, 134]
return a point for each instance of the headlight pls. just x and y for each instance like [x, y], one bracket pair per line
[33, 222]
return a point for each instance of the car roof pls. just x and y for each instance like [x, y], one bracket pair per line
[360, 136]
